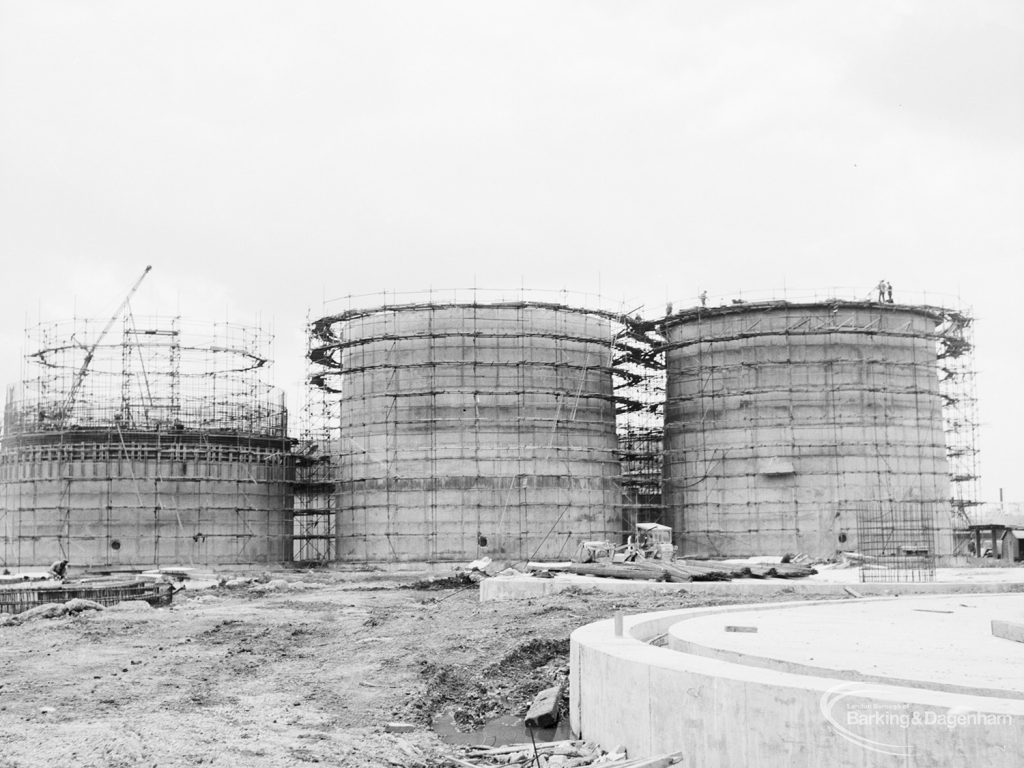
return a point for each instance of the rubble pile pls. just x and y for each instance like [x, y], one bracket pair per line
[476, 696]
[52, 611]
[675, 571]
[560, 754]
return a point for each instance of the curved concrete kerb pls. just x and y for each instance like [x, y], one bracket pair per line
[808, 687]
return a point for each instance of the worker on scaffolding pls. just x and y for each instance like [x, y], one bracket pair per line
[881, 290]
[888, 292]
[58, 570]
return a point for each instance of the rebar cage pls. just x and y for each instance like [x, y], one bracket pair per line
[897, 541]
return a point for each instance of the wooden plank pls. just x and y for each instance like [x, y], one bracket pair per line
[510, 748]
[657, 761]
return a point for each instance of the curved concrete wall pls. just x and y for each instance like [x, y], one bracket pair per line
[720, 714]
[142, 499]
[474, 429]
[785, 422]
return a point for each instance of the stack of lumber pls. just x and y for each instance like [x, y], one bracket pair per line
[781, 570]
[558, 754]
[645, 570]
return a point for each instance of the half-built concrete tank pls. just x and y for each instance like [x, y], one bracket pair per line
[156, 444]
[470, 429]
[789, 427]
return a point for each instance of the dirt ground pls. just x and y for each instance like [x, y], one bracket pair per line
[305, 674]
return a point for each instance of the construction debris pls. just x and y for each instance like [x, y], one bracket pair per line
[281, 585]
[851, 560]
[676, 571]
[199, 658]
[457, 580]
[559, 754]
[19, 599]
[52, 611]
[543, 713]
[479, 565]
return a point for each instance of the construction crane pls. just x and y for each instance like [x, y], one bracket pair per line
[80, 376]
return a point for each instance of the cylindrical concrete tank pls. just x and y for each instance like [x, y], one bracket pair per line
[153, 499]
[471, 430]
[787, 423]
[164, 449]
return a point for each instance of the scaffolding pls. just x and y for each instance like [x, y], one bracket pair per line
[474, 423]
[160, 444]
[460, 424]
[158, 374]
[640, 382]
[957, 381]
[789, 425]
[314, 511]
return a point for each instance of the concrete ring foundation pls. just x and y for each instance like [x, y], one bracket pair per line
[903, 682]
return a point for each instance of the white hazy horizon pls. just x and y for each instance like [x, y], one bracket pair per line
[265, 156]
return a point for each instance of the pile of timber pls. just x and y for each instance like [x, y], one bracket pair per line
[664, 570]
[780, 570]
[559, 754]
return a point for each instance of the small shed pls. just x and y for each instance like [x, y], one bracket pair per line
[988, 530]
[1013, 548]
[986, 536]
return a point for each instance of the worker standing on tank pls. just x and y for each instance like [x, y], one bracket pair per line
[888, 292]
[881, 291]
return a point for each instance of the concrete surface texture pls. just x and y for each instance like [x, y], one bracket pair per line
[153, 499]
[937, 642]
[833, 581]
[786, 422]
[472, 430]
[723, 709]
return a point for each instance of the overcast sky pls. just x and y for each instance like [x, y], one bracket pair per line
[265, 155]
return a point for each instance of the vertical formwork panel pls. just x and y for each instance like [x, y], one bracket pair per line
[471, 430]
[781, 419]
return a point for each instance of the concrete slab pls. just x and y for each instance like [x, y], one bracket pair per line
[827, 582]
[1008, 630]
[803, 710]
[943, 643]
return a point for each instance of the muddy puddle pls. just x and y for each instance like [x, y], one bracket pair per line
[508, 729]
